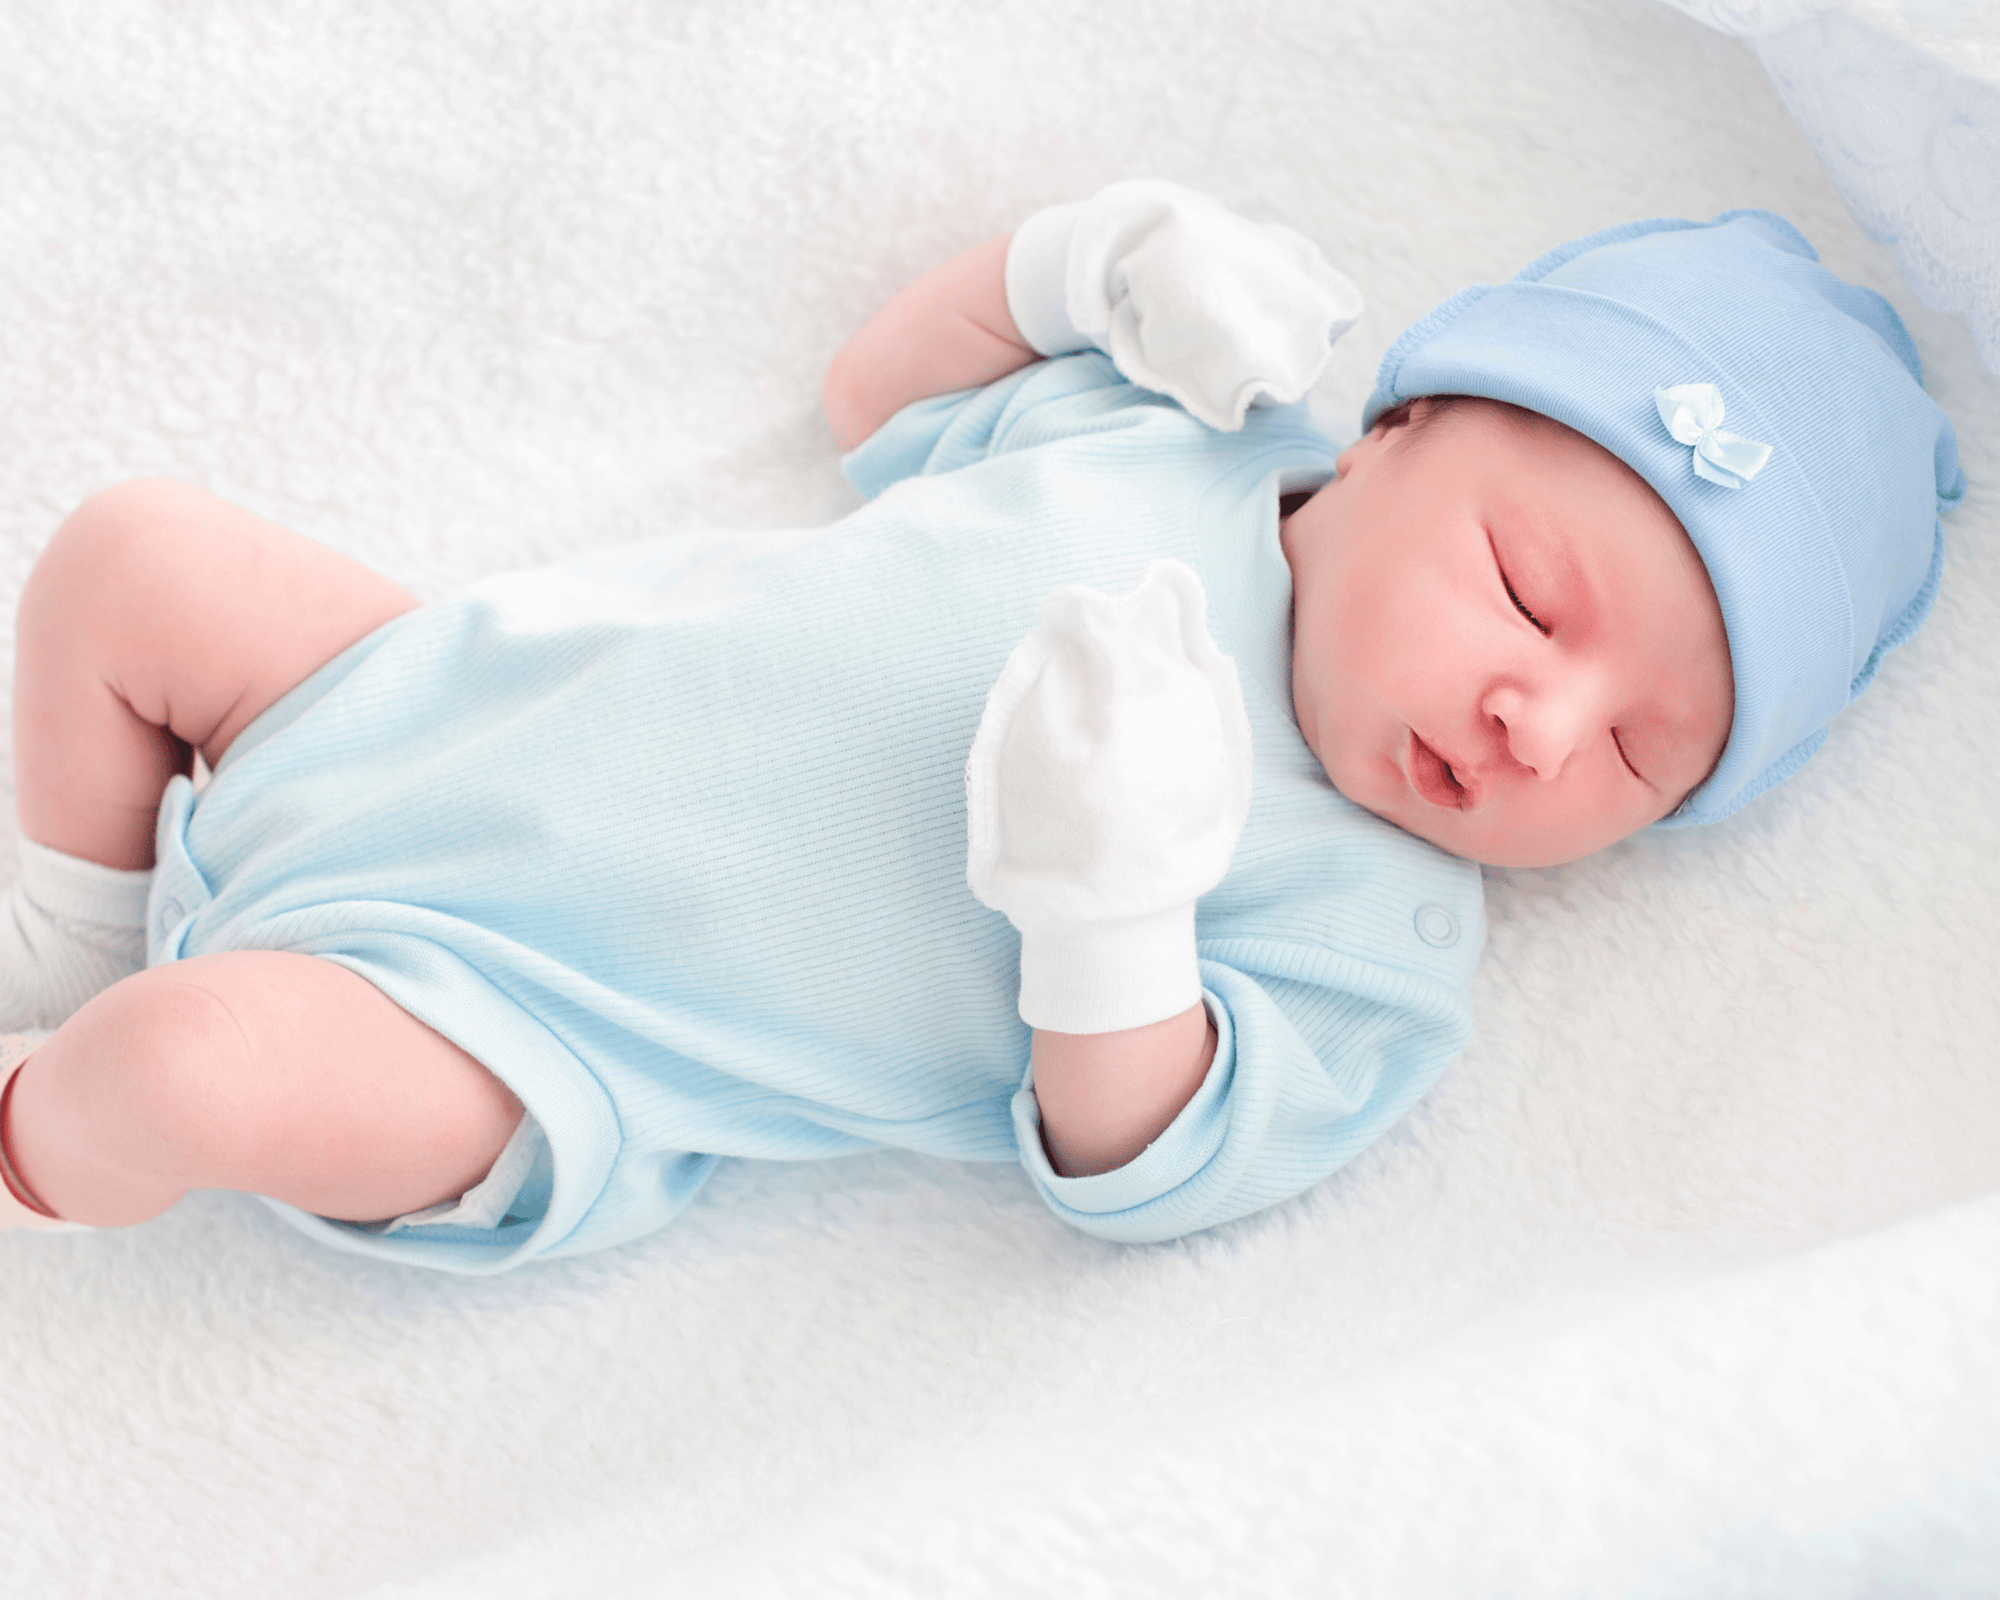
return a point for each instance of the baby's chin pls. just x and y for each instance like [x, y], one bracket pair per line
[1500, 852]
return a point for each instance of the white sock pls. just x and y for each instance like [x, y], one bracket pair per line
[68, 928]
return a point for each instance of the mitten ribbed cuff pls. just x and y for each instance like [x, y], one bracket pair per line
[1038, 281]
[1103, 976]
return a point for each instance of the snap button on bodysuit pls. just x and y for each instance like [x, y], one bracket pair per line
[1436, 926]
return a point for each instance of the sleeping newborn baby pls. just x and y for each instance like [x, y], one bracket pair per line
[1104, 795]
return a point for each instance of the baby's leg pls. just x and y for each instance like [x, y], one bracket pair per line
[280, 1074]
[161, 620]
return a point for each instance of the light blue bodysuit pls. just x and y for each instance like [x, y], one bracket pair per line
[672, 837]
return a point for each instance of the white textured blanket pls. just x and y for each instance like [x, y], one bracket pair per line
[1685, 1281]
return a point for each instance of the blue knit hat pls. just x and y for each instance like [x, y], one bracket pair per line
[1823, 556]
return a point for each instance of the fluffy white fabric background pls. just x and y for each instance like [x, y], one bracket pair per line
[456, 288]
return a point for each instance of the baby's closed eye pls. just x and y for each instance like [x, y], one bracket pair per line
[1513, 594]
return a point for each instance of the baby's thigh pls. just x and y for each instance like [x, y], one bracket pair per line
[202, 613]
[281, 1074]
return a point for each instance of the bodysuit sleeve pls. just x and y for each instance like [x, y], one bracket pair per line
[1045, 401]
[1272, 1118]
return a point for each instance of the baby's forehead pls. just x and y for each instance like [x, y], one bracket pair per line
[1508, 449]
[1442, 415]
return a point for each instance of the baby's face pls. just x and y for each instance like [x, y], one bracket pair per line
[1503, 640]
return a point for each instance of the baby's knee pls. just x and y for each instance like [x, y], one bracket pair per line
[130, 517]
[124, 540]
[129, 1104]
[162, 1066]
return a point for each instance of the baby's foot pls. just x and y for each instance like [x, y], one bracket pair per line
[68, 928]
[18, 1207]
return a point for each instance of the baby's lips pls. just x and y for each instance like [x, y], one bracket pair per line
[1432, 777]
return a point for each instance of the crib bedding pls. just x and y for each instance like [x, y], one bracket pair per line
[1681, 1282]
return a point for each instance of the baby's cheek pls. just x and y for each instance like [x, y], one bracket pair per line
[1390, 640]
[1554, 826]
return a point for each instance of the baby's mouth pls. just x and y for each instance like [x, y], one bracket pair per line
[1431, 776]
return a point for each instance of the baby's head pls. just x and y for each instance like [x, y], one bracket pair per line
[1548, 602]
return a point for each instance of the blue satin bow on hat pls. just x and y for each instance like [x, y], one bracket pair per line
[1693, 415]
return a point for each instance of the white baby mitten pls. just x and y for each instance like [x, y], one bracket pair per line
[1106, 789]
[1186, 297]
[68, 928]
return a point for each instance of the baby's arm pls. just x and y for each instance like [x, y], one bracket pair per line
[1187, 298]
[1105, 1096]
[949, 330]
[1105, 791]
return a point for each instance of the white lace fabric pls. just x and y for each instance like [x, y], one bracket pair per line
[1900, 100]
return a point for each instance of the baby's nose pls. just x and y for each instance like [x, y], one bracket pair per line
[1541, 726]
